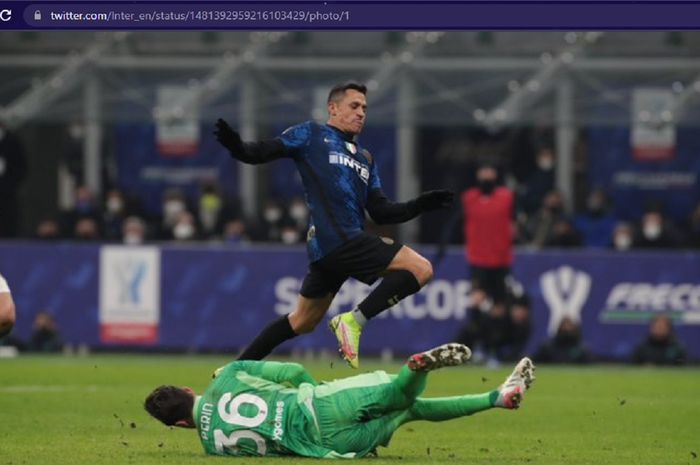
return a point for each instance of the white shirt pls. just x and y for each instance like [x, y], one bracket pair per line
[3, 285]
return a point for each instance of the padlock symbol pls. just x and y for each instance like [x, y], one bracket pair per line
[37, 15]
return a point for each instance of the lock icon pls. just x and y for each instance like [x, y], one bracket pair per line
[37, 15]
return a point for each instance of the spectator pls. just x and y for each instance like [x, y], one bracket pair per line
[623, 236]
[298, 214]
[47, 230]
[541, 181]
[114, 214]
[272, 221]
[520, 328]
[45, 335]
[566, 345]
[289, 234]
[85, 207]
[660, 347]
[87, 229]
[497, 330]
[563, 234]
[655, 232]
[235, 232]
[596, 223]
[185, 228]
[694, 227]
[541, 226]
[210, 208]
[13, 169]
[486, 331]
[488, 211]
[133, 231]
[172, 206]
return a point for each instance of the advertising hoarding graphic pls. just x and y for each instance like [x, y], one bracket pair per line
[129, 296]
[565, 290]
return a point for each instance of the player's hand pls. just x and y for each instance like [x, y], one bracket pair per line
[227, 136]
[434, 200]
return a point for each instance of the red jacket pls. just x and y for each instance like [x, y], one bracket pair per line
[488, 227]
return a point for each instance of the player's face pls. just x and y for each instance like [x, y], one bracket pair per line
[187, 423]
[348, 114]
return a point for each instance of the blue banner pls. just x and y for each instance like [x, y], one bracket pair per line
[144, 173]
[634, 184]
[219, 298]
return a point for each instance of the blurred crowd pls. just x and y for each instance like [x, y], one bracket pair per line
[210, 216]
[207, 217]
[542, 220]
[498, 331]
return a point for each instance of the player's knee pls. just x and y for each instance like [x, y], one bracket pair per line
[306, 326]
[304, 322]
[423, 271]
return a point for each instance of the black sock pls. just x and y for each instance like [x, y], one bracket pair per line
[393, 288]
[273, 335]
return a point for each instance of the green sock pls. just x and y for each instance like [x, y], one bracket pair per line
[447, 408]
[410, 383]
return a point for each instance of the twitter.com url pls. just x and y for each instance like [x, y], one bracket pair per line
[309, 16]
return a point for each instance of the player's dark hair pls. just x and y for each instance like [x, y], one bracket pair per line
[338, 91]
[169, 404]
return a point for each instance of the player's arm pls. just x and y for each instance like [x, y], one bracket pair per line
[282, 373]
[384, 211]
[253, 153]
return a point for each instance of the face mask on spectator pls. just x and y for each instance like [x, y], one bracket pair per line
[652, 231]
[172, 208]
[133, 239]
[272, 214]
[545, 163]
[183, 231]
[290, 236]
[622, 242]
[486, 185]
[115, 205]
[298, 212]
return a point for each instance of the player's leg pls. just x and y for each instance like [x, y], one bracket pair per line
[363, 438]
[509, 395]
[412, 376]
[303, 319]
[405, 274]
[316, 295]
[7, 309]
[366, 413]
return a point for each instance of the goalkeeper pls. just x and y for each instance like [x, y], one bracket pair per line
[255, 408]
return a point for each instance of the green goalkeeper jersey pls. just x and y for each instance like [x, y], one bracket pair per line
[260, 408]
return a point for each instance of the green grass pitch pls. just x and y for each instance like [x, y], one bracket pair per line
[88, 410]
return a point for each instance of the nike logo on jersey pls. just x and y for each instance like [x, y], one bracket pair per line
[337, 158]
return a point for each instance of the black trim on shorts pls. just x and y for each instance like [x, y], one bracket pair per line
[364, 258]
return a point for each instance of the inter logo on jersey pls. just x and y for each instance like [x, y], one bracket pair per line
[337, 158]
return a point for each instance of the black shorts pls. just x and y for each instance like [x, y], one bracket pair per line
[493, 281]
[363, 258]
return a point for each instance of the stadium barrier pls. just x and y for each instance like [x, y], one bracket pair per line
[206, 297]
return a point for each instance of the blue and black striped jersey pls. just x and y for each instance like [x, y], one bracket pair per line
[337, 174]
